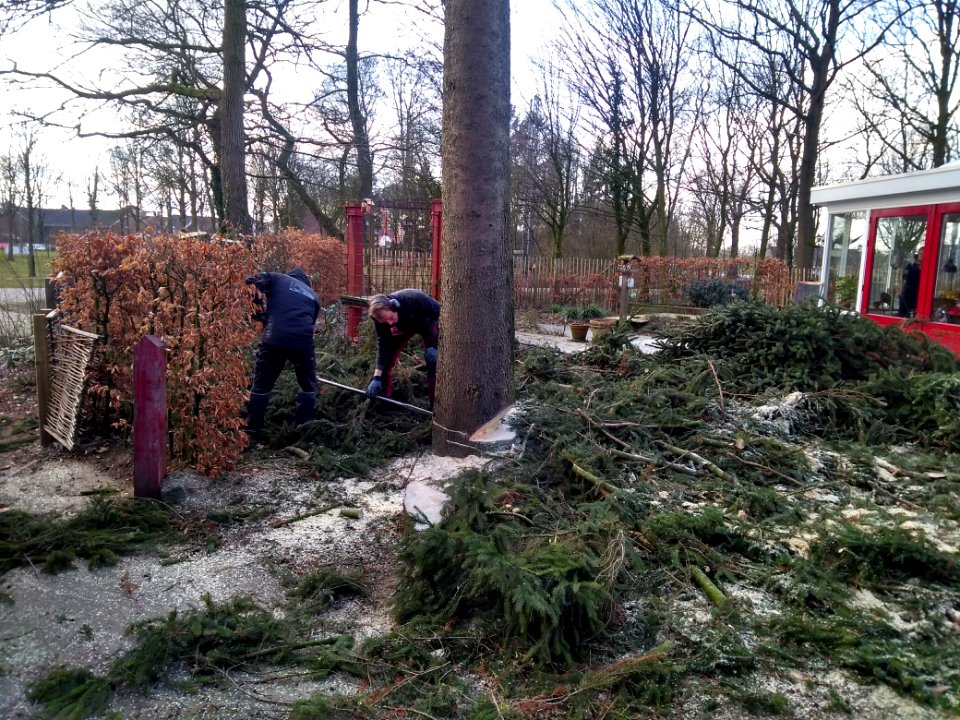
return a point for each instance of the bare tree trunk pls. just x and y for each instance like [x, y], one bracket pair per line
[26, 165]
[475, 374]
[233, 174]
[358, 121]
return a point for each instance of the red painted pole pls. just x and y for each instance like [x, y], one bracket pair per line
[149, 417]
[436, 224]
[354, 266]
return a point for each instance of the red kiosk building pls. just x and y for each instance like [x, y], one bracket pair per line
[892, 249]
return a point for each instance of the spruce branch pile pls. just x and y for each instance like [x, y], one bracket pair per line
[680, 535]
[800, 347]
[855, 379]
[647, 486]
[102, 532]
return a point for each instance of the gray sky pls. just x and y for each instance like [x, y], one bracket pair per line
[533, 23]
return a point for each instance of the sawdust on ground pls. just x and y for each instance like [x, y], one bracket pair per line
[79, 618]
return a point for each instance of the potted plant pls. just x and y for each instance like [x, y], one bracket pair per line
[576, 318]
[580, 320]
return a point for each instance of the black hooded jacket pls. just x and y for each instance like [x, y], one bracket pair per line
[292, 308]
[417, 314]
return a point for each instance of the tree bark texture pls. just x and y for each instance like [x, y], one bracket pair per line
[233, 173]
[475, 373]
[358, 120]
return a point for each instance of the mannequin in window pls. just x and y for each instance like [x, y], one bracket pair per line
[911, 286]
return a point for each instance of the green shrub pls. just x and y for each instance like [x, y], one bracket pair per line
[589, 312]
[715, 292]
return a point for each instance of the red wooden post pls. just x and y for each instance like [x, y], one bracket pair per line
[436, 224]
[354, 266]
[149, 416]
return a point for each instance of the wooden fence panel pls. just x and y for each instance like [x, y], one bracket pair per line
[542, 282]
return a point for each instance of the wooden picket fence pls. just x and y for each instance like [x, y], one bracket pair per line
[543, 282]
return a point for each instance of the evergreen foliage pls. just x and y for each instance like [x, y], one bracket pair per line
[350, 435]
[574, 313]
[317, 590]
[881, 555]
[67, 694]
[715, 291]
[99, 534]
[222, 636]
[927, 405]
[801, 347]
[563, 581]
[548, 596]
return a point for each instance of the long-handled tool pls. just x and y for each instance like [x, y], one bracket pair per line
[404, 405]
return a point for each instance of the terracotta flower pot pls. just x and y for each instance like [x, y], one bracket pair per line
[600, 327]
[578, 331]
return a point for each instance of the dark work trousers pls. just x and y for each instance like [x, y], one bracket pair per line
[399, 343]
[270, 362]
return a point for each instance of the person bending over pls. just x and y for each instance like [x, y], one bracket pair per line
[397, 317]
[288, 325]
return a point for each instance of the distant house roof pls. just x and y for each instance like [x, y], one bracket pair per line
[72, 220]
[76, 219]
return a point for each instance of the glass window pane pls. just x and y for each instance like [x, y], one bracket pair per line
[848, 232]
[895, 278]
[946, 306]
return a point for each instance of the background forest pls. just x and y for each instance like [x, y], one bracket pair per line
[649, 127]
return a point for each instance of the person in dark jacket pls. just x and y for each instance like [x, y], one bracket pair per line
[911, 287]
[288, 326]
[397, 317]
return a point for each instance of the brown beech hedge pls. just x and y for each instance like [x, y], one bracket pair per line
[190, 293]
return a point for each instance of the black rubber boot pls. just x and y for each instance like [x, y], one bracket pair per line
[256, 410]
[304, 411]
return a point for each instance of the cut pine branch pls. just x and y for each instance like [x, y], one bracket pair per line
[714, 593]
[613, 673]
[711, 467]
[599, 483]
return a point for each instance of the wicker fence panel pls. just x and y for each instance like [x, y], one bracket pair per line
[72, 350]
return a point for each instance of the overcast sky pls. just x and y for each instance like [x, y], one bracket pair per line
[45, 45]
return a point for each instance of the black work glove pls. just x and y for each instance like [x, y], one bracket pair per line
[375, 388]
